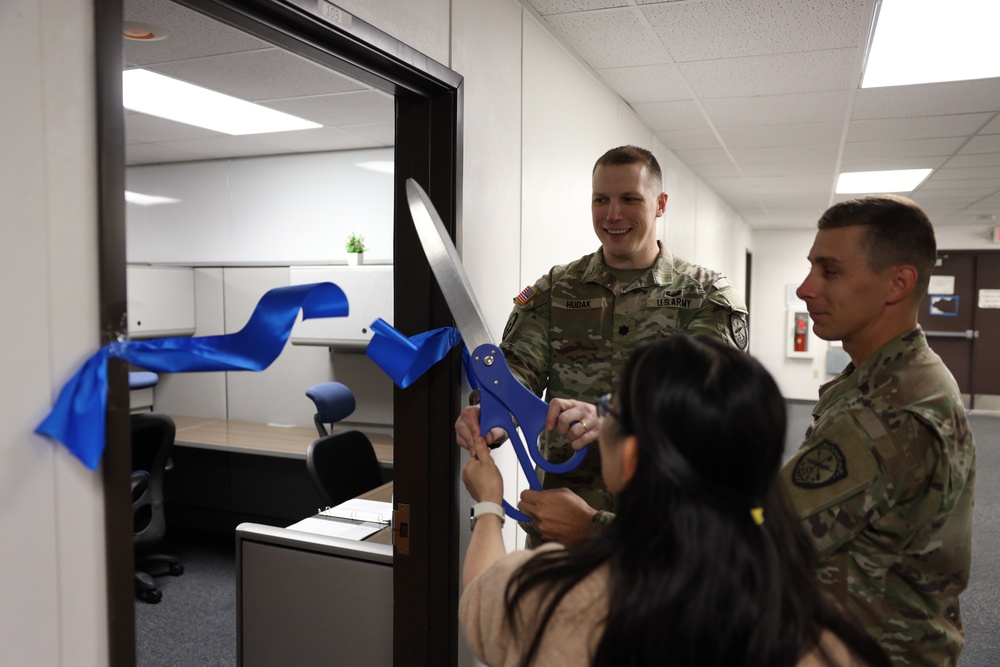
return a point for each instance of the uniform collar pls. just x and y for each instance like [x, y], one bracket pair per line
[659, 273]
[907, 344]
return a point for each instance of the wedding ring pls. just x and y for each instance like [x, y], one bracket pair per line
[584, 425]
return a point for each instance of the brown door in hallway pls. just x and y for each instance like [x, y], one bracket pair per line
[986, 360]
[961, 317]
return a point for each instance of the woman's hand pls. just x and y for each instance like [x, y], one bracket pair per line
[481, 476]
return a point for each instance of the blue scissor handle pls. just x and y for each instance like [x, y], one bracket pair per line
[501, 396]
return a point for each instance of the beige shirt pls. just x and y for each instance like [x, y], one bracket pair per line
[575, 630]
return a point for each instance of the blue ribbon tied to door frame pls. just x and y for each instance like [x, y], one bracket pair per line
[77, 418]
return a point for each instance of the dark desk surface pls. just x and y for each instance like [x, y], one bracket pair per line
[259, 438]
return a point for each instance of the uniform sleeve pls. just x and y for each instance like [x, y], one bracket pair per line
[723, 316]
[852, 472]
[525, 341]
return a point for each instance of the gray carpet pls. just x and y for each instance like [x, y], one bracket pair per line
[195, 624]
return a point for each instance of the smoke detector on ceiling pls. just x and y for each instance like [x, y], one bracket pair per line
[143, 32]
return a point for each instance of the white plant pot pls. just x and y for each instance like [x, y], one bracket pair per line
[355, 258]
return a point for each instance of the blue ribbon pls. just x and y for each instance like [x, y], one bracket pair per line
[406, 359]
[77, 418]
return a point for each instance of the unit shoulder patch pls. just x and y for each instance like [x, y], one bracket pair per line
[738, 328]
[822, 465]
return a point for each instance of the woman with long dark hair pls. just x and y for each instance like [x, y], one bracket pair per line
[704, 564]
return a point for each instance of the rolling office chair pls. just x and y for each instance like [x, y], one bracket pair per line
[343, 466]
[334, 402]
[152, 437]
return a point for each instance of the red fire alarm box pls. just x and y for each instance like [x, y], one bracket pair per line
[797, 341]
[801, 339]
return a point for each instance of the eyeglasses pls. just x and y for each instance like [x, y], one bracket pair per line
[603, 405]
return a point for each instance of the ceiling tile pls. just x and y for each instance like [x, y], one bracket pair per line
[912, 148]
[769, 136]
[980, 185]
[928, 99]
[610, 38]
[777, 109]
[883, 163]
[993, 127]
[648, 83]
[946, 173]
[260, 75]
[383, 134]
[192, 34]
[544, 7]
[710, 172]
[340, 109]
[787, 169]
[668, 116]
[989, 143]
[703, 156]
[140, 127]
[780, 74]
[975, 160]
[785, 154]
[924, 127]
[716, 29]
[689, 139]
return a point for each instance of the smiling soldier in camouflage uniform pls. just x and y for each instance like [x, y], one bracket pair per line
[571, 332]
[884, 480]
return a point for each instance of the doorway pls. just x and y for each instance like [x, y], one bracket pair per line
[960, 316]
[427, 100]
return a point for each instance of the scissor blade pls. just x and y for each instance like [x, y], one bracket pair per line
[447, 267]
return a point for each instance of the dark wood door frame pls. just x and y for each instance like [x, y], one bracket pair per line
[428, 147]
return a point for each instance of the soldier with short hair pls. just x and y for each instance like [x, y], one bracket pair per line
[570, 333]
[884, 480]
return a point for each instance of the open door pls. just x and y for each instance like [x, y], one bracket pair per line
[428, 147]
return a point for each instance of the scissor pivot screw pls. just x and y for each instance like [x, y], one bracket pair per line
[477, 360]
[488, 361]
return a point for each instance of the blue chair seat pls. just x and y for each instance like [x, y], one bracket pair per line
[142, 379]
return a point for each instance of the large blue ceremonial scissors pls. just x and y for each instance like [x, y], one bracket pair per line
[504, 402]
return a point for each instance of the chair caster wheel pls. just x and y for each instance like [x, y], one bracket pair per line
[176, 569]
[151, 597]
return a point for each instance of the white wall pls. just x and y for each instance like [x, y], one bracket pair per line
[52, 593]
[779, 260]
[292, 208]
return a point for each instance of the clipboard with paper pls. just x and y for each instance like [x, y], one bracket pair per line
[504, 401]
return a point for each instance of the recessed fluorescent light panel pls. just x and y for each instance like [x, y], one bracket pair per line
[148, 200]
[158, 95]
[927, 41]
[872, 182]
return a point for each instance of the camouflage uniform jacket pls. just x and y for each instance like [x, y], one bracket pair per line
[884, 484]
[570, 334]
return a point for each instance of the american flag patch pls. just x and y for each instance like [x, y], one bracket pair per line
[526, 295]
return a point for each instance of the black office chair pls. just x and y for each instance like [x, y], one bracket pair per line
[152, 438]
[334, 402]
[343, 466]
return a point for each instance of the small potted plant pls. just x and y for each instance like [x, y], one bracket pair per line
[355, 249]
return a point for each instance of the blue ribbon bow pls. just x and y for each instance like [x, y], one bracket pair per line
[406, 359]
[77, 418]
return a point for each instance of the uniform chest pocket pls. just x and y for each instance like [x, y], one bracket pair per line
[579, 329]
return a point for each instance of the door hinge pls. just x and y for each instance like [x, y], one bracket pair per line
[401, 529]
